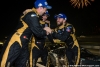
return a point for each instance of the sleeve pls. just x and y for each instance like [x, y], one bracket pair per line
[32, 21]
[68, 30]
[61, 37]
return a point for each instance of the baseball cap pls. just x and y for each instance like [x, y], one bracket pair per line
[42, 3]
[61, 15]
[47, 13]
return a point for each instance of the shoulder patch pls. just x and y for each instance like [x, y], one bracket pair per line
[33, 15]
[68, 29]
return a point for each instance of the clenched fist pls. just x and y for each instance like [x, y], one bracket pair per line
[48, 30]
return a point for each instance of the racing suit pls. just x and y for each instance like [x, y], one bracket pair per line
[66, 33]
[38, 48]
[15, 49]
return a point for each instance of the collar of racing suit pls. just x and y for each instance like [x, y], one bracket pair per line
[33, 9]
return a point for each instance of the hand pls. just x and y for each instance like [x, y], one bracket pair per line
[26, 11]
[48, 30]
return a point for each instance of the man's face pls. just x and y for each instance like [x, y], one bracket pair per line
[42, 10]
[44, 17]
[60, 21]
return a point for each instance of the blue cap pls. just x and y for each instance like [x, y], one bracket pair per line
[61, 15]
[42, 3]
[47, 13]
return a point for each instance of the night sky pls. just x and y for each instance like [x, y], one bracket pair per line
[86, 20]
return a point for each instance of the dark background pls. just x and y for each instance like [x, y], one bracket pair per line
[85, 20]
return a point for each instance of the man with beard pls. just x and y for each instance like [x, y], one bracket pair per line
[66, 33]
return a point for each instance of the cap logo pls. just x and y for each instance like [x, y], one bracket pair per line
[45, 3]
[60, 14]
[40, 4]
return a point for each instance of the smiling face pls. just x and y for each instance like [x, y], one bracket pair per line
[60, 21]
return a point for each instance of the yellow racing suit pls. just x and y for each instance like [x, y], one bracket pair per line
[38, 48]
[15, 49]
[66, 33]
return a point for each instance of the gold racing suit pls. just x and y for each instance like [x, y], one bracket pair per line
[38, 48]
[66, 33]
[15, 49]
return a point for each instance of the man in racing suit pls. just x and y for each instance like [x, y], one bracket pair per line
[38, 48]
[15, 50]
[66, 33]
